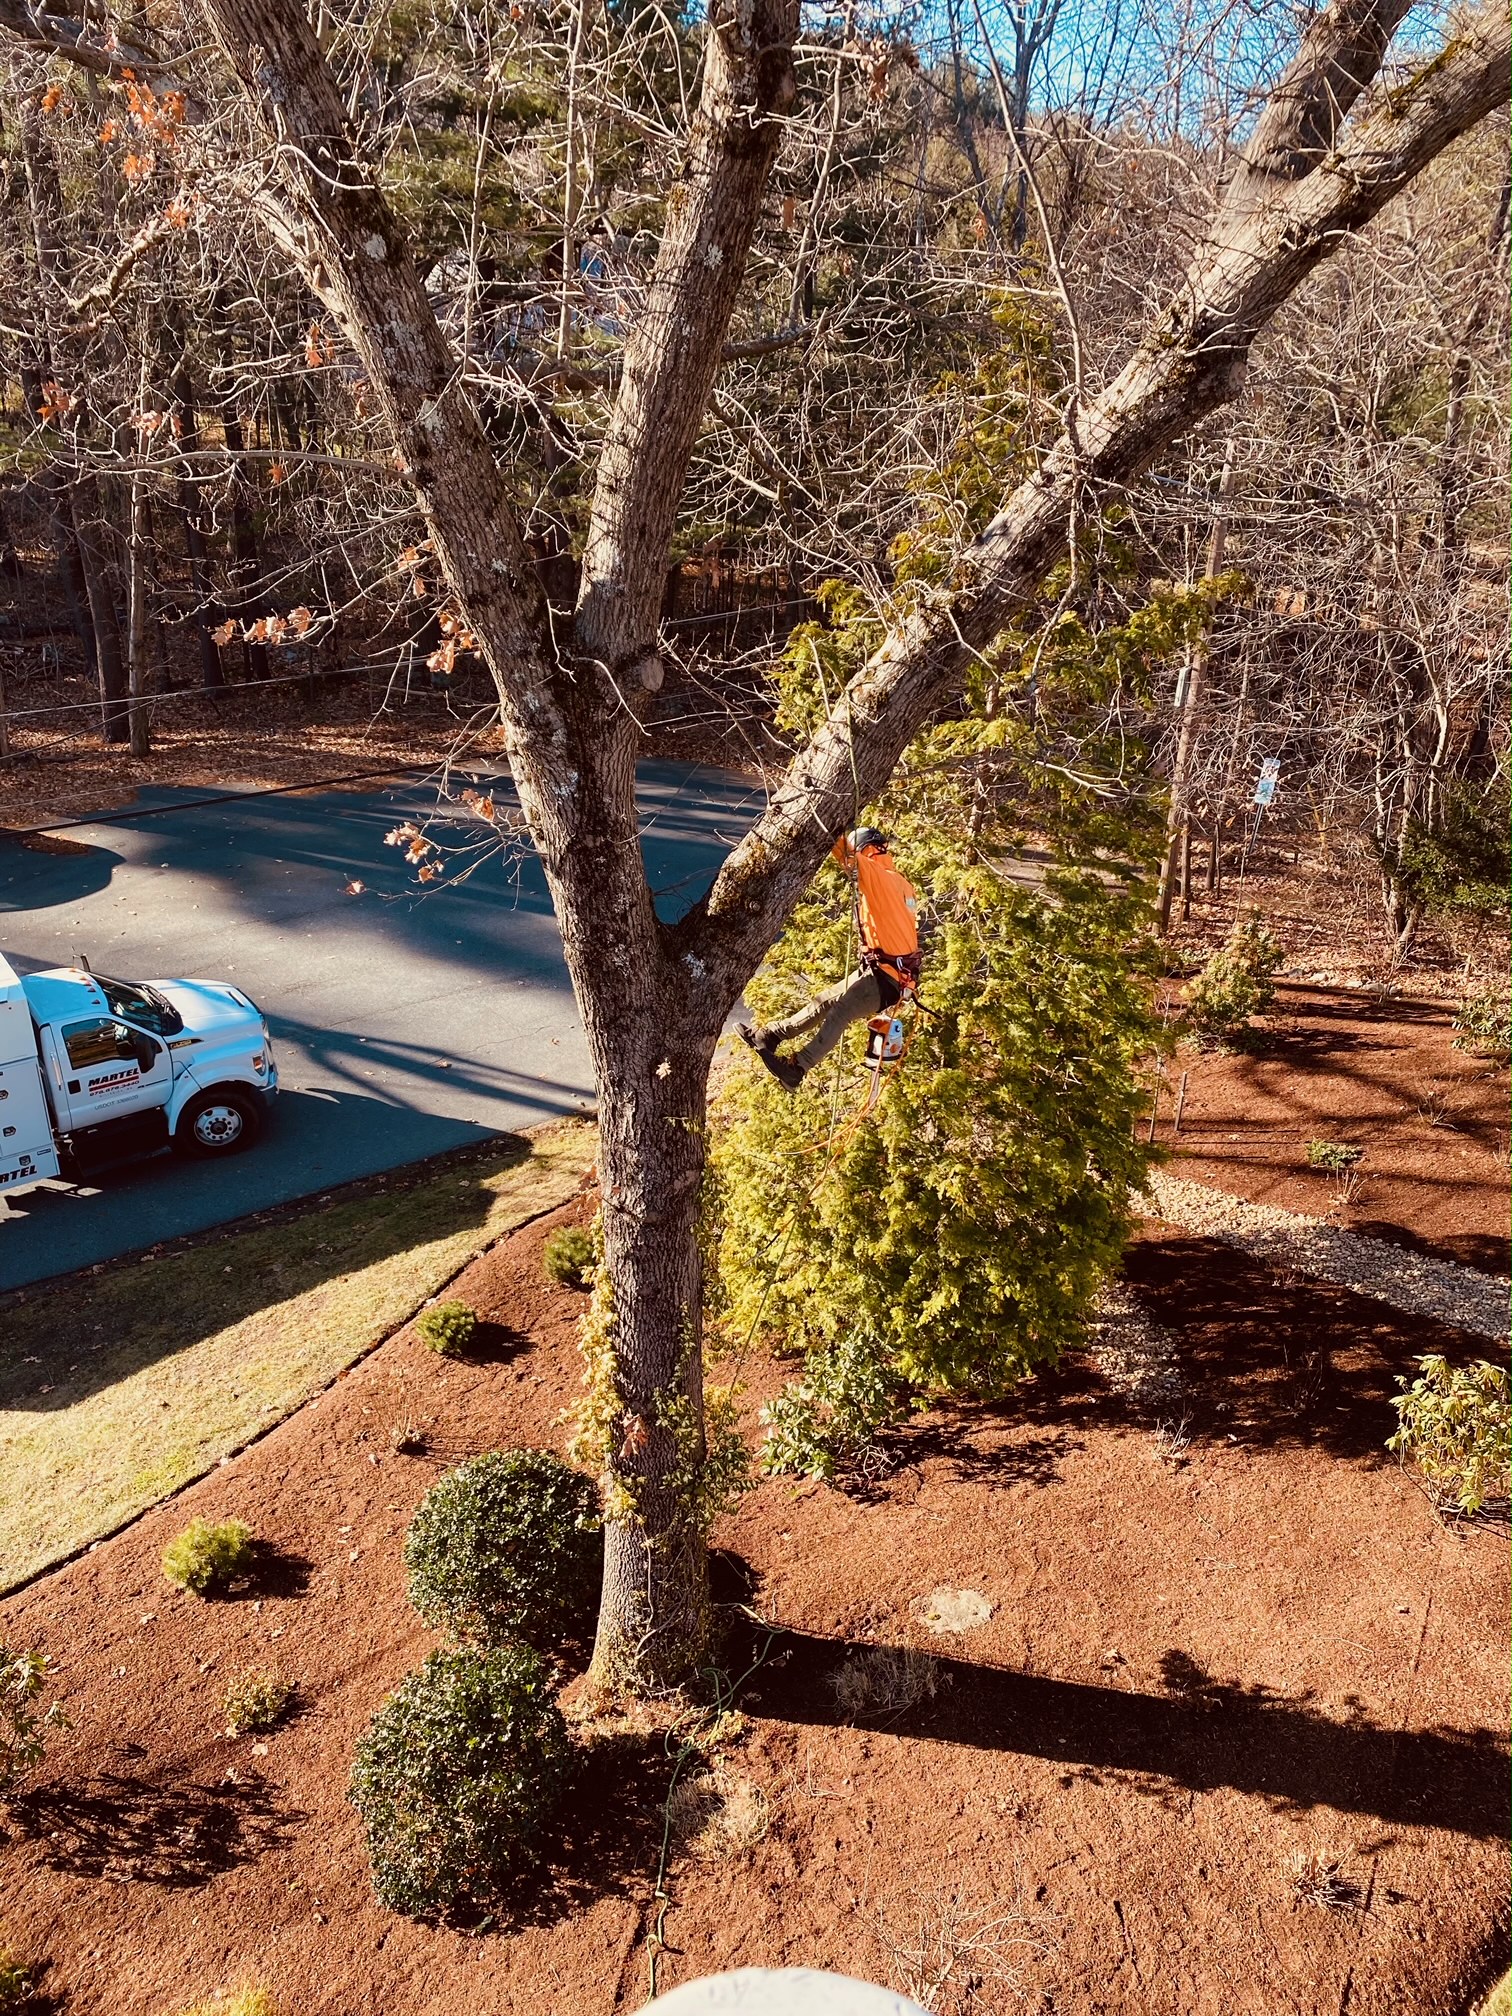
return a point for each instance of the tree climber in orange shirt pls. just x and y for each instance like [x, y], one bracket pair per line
[887, 912]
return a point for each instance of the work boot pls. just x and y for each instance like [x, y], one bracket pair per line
[783, 1069]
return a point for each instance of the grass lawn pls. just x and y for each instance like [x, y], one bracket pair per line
[1499, 2001]
[119, 1385]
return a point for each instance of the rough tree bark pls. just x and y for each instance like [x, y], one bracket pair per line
[653, 997]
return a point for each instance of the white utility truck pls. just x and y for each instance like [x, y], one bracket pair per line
[94, 1070]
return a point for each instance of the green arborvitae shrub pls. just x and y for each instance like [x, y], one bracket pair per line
[205, 1558]
[256, 1702]
[507, 1547]
[457, 1778]
[569, 1257]
[955, 1238]
[447, 1328]
[1455, 1424]
[25, 1724]
[1236, 983]
[1334, 1156]
[1483, 1023]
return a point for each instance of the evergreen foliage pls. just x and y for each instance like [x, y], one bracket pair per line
[569, 1257]
[457, 1776]
[1237, 982]
[204, 1558]
[1459, 861]
[448, 1328]
[507, 1547]
[1483, 1023]
[954, 1238]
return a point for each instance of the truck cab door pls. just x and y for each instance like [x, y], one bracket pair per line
[109, 1070]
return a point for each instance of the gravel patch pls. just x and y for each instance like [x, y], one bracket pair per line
[1411, 1282]
[1133, 1353]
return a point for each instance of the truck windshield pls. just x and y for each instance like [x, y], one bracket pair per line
[141, 1004]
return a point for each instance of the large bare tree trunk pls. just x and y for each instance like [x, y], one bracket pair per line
[654, 998]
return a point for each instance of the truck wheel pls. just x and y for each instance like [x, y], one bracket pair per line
[220, 1122]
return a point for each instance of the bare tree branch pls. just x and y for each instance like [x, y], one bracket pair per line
[1190, 364]
[58, 36]
[676, 344]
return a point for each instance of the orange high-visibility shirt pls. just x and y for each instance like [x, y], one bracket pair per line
[889, 903]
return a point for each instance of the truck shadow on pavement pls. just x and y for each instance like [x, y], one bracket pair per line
[84, 1332]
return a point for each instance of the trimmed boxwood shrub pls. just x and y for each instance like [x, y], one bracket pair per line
[507, 1546]
[457, 1776]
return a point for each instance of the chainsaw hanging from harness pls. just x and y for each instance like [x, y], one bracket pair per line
[886, 1038]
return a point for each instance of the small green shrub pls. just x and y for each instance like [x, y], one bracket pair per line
[457, 1776]
[569, 1258]
[240, 2002]
[1455, 1424]
[1236, 983]
[24, 1724]
[15, 1981]
[1334, 1156]
[448, 1328]
[257, 1701]
[1483, 1024]
[828, 1419]
[206, 1557]
[1458, 861]
[507, 1546]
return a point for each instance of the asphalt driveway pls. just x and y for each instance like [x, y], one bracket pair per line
[406, 1022]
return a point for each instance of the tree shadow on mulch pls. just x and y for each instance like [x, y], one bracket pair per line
[1486, 1252]
[1197, 1736]
[130, 1830]
[1271, 1359]
[983, 1445]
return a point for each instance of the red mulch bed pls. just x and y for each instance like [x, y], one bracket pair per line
[1334, 1065]
[1194, 1671]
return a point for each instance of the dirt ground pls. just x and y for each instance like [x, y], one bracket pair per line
[251, 738]
[1336, 1065]
[1201, 1664]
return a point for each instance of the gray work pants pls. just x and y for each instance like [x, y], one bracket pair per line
[826, 1018]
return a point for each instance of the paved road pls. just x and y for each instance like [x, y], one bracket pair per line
[405, 1022]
